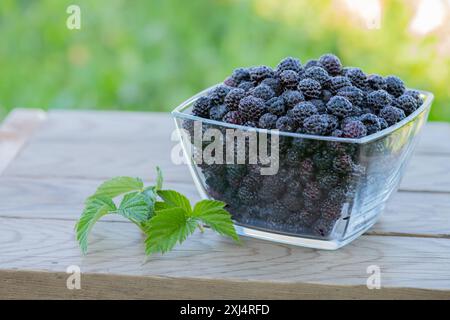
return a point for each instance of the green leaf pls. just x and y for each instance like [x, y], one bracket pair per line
[119, 185]
[213, 214]
[167, 228]
[136, 206]
[175, 199]
[95, 208]
[161, 205]
[159, 179]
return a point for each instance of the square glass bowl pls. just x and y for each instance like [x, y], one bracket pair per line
[326, 192]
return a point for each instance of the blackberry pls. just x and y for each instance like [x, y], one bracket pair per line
[312, 191]
[273, 83]
[327, 180]
[394, 86]
[293, 157]
[323, 227]
[272, 187]
[337, 133]
[303, 217]
[262, 91]
[233, 117]
[343, 164]
[240, 74]
[218, 93]
[312, 63]
[276, 106]
[316, 124]
[339, 82]
[285, 123]
[371, 122]
[235, 174]
[301, 111]
[268, 121]
[376, 82]
[292, 201]
[331, 63]
[310, 88]
[407, 103]
[353, 94]
[347, 120]
[326, 95]
[259, 73]
[392, 115]
[292, 97]
[357, 77]
[289, 79]
[230, 82]
[339, 106]
[289, 63]
[319, 104]
[377, 100]
[251, 124]
[416, 95]
[248, 195]
[251, 108]
[201, 107]
[307, 168]
[333, 122]
[233, 97]
[330, 210]
[218, 112]
[319, 74]
[246, 85]
[354, 129]
[383, 123]
[323, 161]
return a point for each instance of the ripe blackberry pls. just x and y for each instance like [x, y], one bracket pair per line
[383, 123]
[246, 85]
[233, 97]
[312, 63]
[339, 106]
[218, 93]
[339, 82]
[371, 122]
[354, 129]
[292, 201]
[303, 217]
[292, 97]
[323, 160]
[394, 86]
[343, 164]
[276, 106]
[301, 111]
[285, 123]
[262, 91]
[330, 210]
[347, 120]
[326, 179]
[407, 103]
[251, 108]
[233, 117]
[376, 82]
[247, 195]
[323, 227]
[377, 100]
[353, 94]
[316, 124]
[272, 187]
[333, 122]
[331, 63]
[240, 74]
[251, 124]
[230, 82]
[310, 88]
[235, 174]
[357, 77]
[319, 74]
[218, 112]
[392, 115]
[312, 191]
[293, 157]
[259, 73]
[273, 83]
[289, 63]
[416, 95]
[201, 107]
[337, 133]
[268, 121]
[289, 79]
[319, 104]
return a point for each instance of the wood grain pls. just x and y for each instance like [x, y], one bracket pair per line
[116, 248]
[14, 132]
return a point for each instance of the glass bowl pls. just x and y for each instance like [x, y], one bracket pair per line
[313, 191]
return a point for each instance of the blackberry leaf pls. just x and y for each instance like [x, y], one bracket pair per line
[119, 185]
[136, 206]
[175, 199]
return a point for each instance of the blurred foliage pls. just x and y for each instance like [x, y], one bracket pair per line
[152, 54]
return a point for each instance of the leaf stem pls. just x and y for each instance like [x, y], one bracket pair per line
[201, 227]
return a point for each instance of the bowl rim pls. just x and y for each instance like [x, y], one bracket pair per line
[179, 112]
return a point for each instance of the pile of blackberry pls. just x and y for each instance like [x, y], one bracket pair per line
[316, 178]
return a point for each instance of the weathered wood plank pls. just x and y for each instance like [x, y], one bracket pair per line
[419, 214]
[14, 132]
[116, 249]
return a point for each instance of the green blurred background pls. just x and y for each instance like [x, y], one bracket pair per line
[152, 54]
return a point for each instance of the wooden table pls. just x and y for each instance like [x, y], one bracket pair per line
[56, 159]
